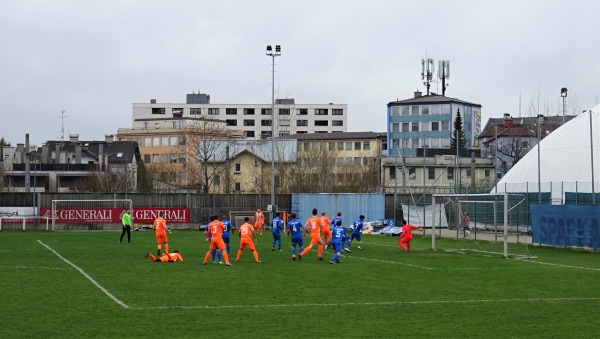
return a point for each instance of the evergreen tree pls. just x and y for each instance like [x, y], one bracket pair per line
[458, 133]
[3, 142]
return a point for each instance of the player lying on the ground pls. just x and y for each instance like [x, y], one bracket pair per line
[165, 257]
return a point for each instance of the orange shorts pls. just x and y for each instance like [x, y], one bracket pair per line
[315, 240]
[326, 234]
[258, 225]
[161, 237]
[247, 243]
[217, 243]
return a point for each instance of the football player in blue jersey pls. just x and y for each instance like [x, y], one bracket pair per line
[227, 227]
[333, 223]
[276, 228]
[338, 236]
[296, 230]
[356, 229]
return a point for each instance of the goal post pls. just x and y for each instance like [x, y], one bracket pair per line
[87, 214]
[489, 216]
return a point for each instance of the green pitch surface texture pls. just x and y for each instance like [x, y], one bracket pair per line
[86, 284]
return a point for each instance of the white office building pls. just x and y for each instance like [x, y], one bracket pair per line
[253, 120]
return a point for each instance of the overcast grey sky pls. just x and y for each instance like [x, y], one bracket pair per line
[93, 59]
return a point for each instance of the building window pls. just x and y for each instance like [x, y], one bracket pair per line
[231, 122]
[425, 126]
[424, 109]
[431, 173]
[337, 111]
[213, 111]
[487, 173]
[415, 126]
[147, 142]
[173, 158]
[156, 125]
[306, 146]
[155, 141]
[248, 134]
[284, 111]
[176, 110]
[395, 127]
[248, 122]
[331, 146]
[435, 109]
[321, 123]
[435, 125]
[348, 145]
[405, 127]
[337, 123]
[415, 110]
[182, 158]
[412, 174]
[321, 111]
[158, 110]
[195, 111]
[248, 111]
[164, 158]
[357, 145]
[230, 111]
[302, 111]
[173, 141]
[468, 172]
[238, 187]
[445, 109]
[182, 141]
[265, 111]
[217, 180]
[450, 173]
[265, 134]
[405, 110]
[357, 161]
[147, 158]
[237, 168]
[155, 158]
[182, 177]
[392, 172]
[265, 122]
[445, 125]
[301, 122]
[340, 146]
[165, 141]
[367, 145]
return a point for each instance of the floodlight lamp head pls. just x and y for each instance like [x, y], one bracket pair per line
[269, 48]
[278, 49]
[563, 92]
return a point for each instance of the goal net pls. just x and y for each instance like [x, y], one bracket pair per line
[87, 215]
[483, 223]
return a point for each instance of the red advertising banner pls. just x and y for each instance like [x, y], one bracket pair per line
[112, 215]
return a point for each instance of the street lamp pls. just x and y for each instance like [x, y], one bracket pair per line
[539, 123]
[563, 94]
[273, 54]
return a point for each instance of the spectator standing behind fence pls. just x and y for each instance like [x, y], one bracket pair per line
[126, 221]
[465, 222]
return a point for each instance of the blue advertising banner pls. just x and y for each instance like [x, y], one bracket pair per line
[566, 225]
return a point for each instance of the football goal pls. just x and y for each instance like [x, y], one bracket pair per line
[484, 221]
[87, 215]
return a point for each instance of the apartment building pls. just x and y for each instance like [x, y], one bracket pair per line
[253, 121]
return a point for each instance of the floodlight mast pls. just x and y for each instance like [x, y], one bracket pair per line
[273, 54]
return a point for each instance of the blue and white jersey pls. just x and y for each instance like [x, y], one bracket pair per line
[333, 222]
[295, 227]
[357, 226]
[338, 234]
[227, 228]
[276, 227]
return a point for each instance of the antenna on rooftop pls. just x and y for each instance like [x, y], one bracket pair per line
[444, 73]
[427, 70]
[62, 117]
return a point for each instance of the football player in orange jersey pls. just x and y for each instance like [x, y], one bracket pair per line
[165, 257]
[161, 229]
[325, 230]
[259, 220]
[216, 240]
[314, 223]
[246, 233]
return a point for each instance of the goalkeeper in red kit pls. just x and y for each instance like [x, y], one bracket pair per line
[406, 236]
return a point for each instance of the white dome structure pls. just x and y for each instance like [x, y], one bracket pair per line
[565, 158]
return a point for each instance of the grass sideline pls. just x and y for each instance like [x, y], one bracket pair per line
[376, 292]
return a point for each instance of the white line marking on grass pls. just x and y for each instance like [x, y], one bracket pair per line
[389, 262]
[44, 268]
[382, 303]
[560, 265]
[87, 276]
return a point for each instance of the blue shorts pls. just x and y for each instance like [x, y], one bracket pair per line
[297, 241]
[226, 239]
[277, 236]
[355, 236]
[337, 246]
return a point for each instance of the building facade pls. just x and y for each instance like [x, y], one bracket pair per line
[253, 121]
[427, 121]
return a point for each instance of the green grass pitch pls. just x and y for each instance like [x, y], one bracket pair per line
[111, 291]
